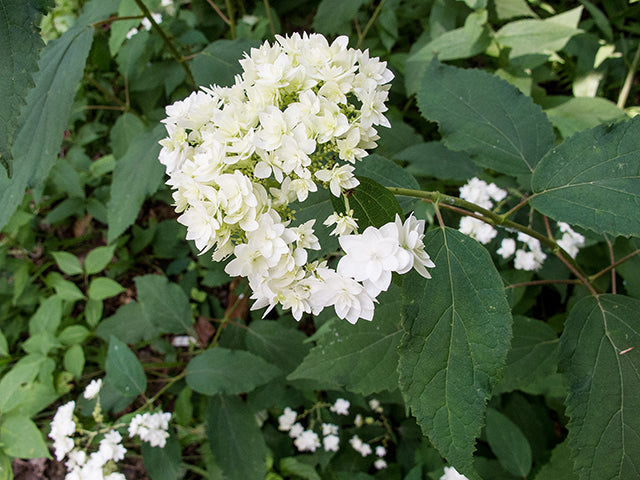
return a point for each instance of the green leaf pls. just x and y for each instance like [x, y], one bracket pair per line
[127, 127]
[225, 371]
[508, 9]
[600, 359]
[164, 304]
[317, 207]
[67, 262]
[508, 443]
[533, 356]
[104, 287]
[17, 379]
[42, 342]
[6, 470]
[163, 463]
[571, 115]
[541, 37]
[559, 465]
[128, 324]
[486, 117]
[4, 346]
[593, 180]
[98, 259]
[48, 107]
[47, 317]
[433, 159]
[74, 361]
[21, 438]
[124, 370]
[137, 175]
[332, 15]
[21, 43]
[65, 289]
[235, 438]
[465, 42]
[458, 330]
[280, 345]
[93, 312]
[219, 62]
[362, 358]
[372, 204]
[73, 334]
[292, 467]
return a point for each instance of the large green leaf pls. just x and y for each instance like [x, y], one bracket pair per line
[533, 356]
[164, 304]
[18, 379]
[600, 359]
[332, 15]
[20, 43]
[123, 369]
[43, 119]
[457, 334]
[508, 443]
[433, 159]
[137, 175]
[219, 62]
[593, 180]
[221, 370]
[362, 358]
[486, 117]
[571, 115]
[235, 438]
[163, 463]
[281, 345]
[21, 438]
[559, 465]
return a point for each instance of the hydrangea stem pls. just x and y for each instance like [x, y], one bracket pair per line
[463, 206]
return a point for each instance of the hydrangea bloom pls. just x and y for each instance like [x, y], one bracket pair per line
[92, 389]
[301, 114]
[62, 427]
[151, 427]
[341, 407]
[479, 192]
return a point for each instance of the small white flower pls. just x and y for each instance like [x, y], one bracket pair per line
[475, 228]
[151, 428]
[345, 223]
[380, 464]
[308, 441]
[381, 451]
[329, 429]
[571, 241]
[287, 419]
[341, 407]
[296, 430]
[507, 248]
[92, 389]
[62, 427]
[183, 341]
[374, 404]
[450, 473]
[331, 443]
[359, 446]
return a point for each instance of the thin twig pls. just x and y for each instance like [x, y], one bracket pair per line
[103, 107]
[219, 12]
[270, 17]
[369, 24]
[542, 282]
[116, 19]
[438, 215]
[612, 257]
[232, 20]
[174, 52]
[522, 203]
[614, 265]
[626, 87]
[111, 96]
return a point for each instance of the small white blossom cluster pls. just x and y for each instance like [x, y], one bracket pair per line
[301, 114]
[450, 473]
[479, 192]
[100, 464]
[151, 428]
[530, 256]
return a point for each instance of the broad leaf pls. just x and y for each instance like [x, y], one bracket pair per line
[67, 262]
[486, 117]
[362, 358]
[101, 288]
[559, 465]
[219, 62]
[600, 359]
[508, 443]
[458, 330]
[124, 370]
[235, 438]
[98, 259]
[533, 356]
[128, 324]
[593, 180]
[137, 175]
[18, 379]
[20, 43]
[332, 15]
[571, 115]
[221, 370]
[21, 438]
[433, 159]
[44, 118]
[283, 346]
[163, 463]
[164, 304]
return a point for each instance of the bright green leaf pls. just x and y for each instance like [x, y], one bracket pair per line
[104, 287]
[47, 317]
[508, 443]
[20, 43]
[21, 438]
[292, 467]
[98, 259]
[17, 379]
[137, 175]
[65, 289]
[507, 9]
[458, 330]
[235, 438]
[533, 356]
[600, 359]
[93, 312]
[41, 342]
[73, 334]
[571, 115]
[73, 360]
[164, 304]
[6, 469]
[593, 180]
[231, 372]
[362, 358]
[4, 346]
[124, 370]
[219, 62]
[486, 117]
[67, 262]
[163, 463]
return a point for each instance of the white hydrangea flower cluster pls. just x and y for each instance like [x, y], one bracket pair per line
[479, 192]
[151, 428]
[301, 114]
[571, 241]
